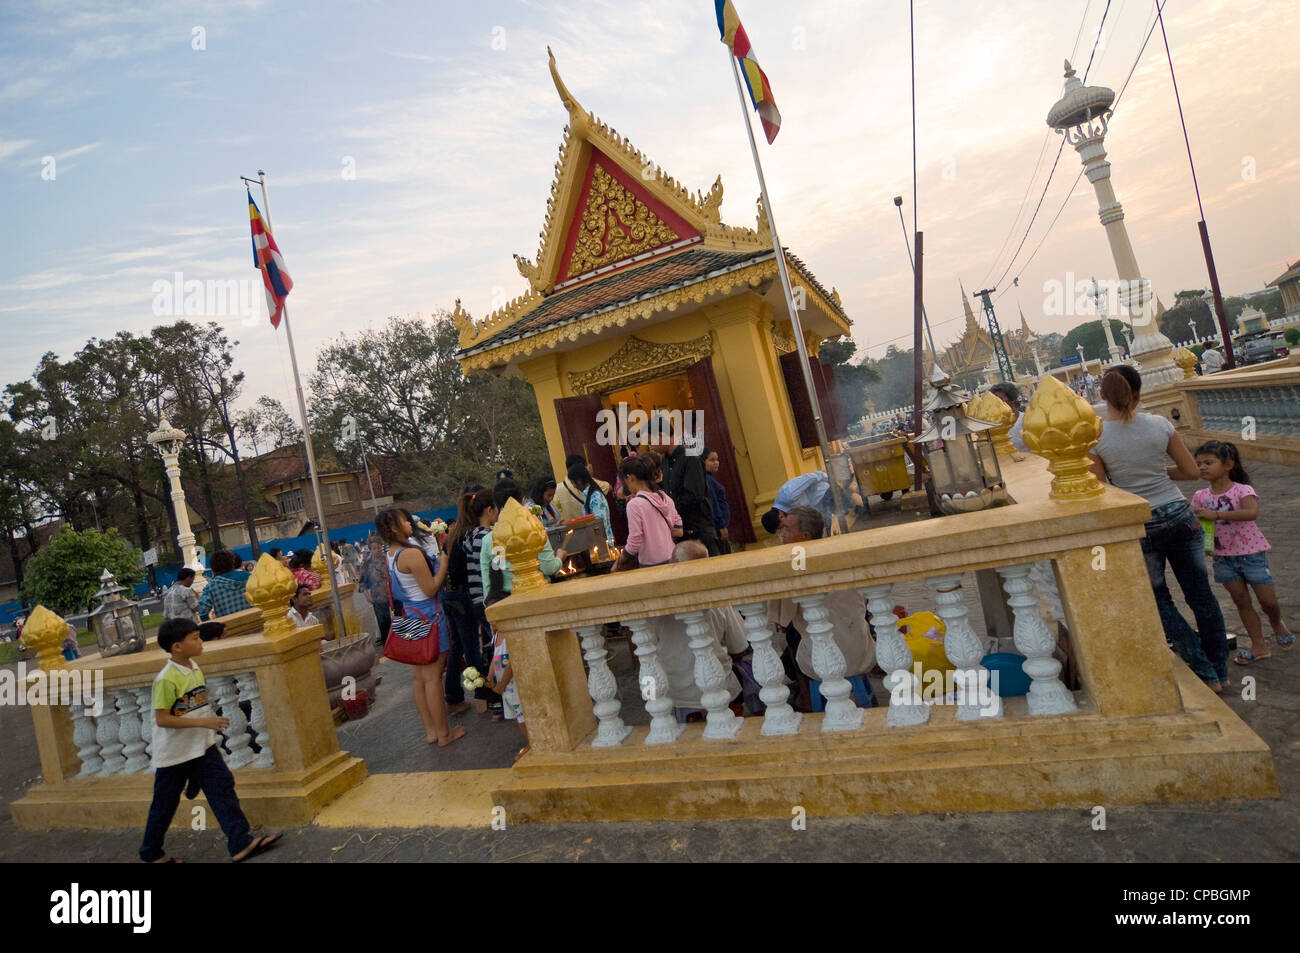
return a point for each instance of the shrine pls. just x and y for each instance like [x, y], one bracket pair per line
[966, 358]
[641, 295]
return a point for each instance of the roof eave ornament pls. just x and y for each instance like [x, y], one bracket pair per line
[578, 119]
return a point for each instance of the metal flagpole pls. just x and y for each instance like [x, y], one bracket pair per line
[306, 430]
[795, 324]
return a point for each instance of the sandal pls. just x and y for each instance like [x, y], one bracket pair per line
[1285, 641]
[1245, 657]
[261, 845]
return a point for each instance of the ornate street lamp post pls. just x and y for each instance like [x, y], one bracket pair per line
[168, 441]
[1081, 115]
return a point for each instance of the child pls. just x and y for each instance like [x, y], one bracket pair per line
[185, 755]
[501, 680]
[1239, 547]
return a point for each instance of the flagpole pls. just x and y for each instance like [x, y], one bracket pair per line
[306, 430]
[795, 324]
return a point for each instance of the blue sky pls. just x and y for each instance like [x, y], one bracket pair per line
[451, 122]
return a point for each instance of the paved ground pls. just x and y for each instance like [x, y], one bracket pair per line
[391, 741]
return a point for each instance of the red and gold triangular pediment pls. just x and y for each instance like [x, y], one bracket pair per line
[616, 219]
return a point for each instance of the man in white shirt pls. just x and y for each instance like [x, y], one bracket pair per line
[180, 601]
[1213, 360]
[300, 613]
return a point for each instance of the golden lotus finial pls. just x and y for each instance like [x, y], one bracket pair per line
[321, 568]
[1062, 426]
[1187, 361]
[43, 633]
[987, 406]
[522, 536]
[270, 586]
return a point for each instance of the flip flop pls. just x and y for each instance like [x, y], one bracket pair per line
[261, 845]
[1245, 657]
[1286, 641]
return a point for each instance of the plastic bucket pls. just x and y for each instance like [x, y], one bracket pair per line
[1011, 680]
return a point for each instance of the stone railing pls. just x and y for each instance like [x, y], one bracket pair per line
[1078, 560]
[1257, 408]
[281, 743]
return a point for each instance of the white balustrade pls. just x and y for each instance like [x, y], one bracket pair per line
[905, 704]
[964, 649]
[721, 721]
[603, 688]
[83, 736]
[1047, 694]
[110, 745]
[828, 662]
[654, 685]
[237, 740]
[128, 732]
[249, 692]
[144, 697]
[780, 718]
[1043, 576]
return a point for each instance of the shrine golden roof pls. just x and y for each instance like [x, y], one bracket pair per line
[623, 240]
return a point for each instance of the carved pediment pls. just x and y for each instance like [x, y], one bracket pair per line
[638, 361]
[614, 225]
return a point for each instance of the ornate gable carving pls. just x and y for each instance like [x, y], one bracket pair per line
[638, 361]
[614, 225]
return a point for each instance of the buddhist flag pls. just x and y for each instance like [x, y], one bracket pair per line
[760, 93]
[267, 260]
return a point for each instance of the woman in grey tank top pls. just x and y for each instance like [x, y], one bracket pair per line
[1132, 455]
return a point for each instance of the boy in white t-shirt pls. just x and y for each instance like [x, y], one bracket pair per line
[184, 752]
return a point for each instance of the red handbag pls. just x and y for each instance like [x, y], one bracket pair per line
[412, 637]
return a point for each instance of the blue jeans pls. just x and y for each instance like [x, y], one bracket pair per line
[218, 786]
[1175, 535]
[467, 623]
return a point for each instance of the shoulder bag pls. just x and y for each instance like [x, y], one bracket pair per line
[413, 637]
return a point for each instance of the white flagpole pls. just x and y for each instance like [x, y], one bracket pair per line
[795, 324]
[306, 430]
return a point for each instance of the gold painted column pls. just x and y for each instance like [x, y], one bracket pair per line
[543, 373]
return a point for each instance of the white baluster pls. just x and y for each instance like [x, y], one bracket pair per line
[106, 733]
[237, 733]
[780, 718]
[144, 698]
[83, 736]
[828, 662]
[1043, 577]
[603, 688]
[964, 649]
[905, 704]
[249, 692]
[654, 685]
[721, 721]
[128, 731]
[1047, 694]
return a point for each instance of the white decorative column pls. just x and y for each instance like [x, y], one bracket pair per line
[237, 740]
[780, 718]
[603, 688]
[964, 649]
[249, 692]
[1081, 115]
[144, 698]
[1043, 576]
[654, 684]
[721, 721]
[83, 736]
[1047, 694]
[904, 688]
[106, 733]
[169, 441]
[828, 662]
[128, 732]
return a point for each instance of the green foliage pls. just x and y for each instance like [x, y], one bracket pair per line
[895, 379]
[1291, 336]
[1189, 318]
[1198, 350]
[1093, 338]
[851, 380]
[64, 574]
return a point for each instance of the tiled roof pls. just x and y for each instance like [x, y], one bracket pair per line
[1291, 273]
[680, 269]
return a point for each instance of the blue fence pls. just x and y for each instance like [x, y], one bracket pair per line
[356, 533]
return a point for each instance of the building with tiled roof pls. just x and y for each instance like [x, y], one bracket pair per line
[639, 294]
[1288, 283]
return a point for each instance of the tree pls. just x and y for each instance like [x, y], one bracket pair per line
[1189, 318]
[895, 379]
[1291, 336]
[64, 574]
[1093, 338]
[851, 380]
[267, 426]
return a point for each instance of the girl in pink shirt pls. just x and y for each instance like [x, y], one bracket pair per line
[1240, 549]
[653, 524]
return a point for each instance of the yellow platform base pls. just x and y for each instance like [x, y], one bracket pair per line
[268, 797]
[1204, 753]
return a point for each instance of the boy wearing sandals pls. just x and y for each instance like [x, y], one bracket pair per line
[184, 753]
